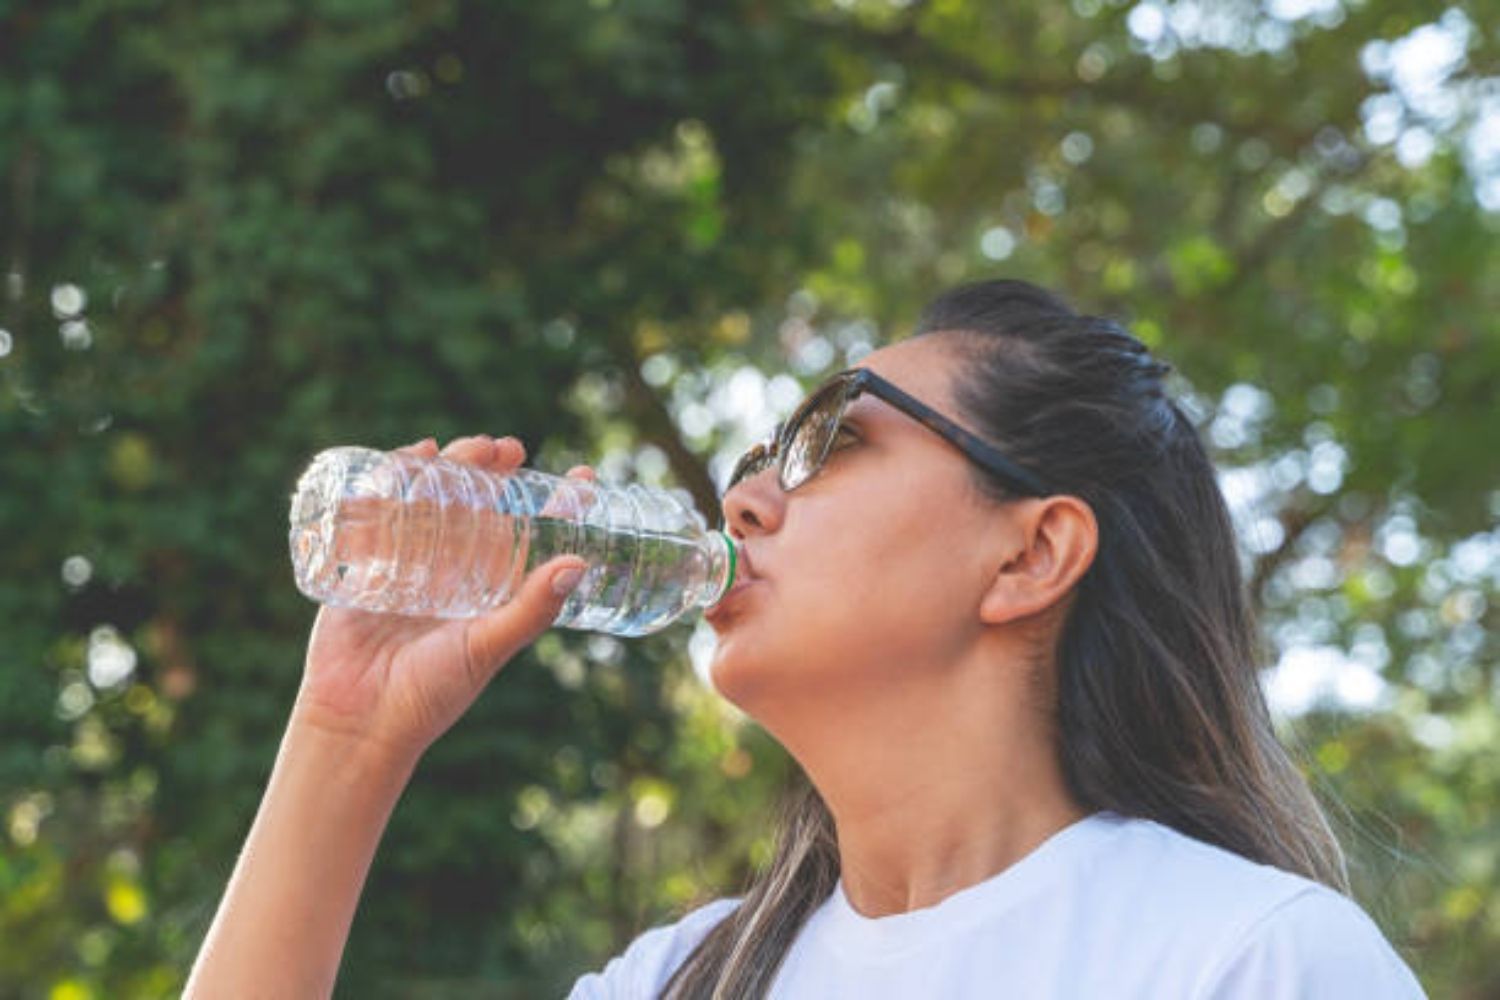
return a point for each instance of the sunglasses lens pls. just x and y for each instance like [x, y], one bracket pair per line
[755, 461]
[812, 436]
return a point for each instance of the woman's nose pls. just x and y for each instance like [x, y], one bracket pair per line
[753, 505]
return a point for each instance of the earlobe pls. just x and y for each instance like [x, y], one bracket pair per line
[1058, 539]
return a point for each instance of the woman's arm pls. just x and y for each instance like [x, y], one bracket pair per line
[377, 690]
[281, 927]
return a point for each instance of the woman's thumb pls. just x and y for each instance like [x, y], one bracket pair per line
[500, 634]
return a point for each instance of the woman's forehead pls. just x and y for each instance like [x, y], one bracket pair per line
[921, 366]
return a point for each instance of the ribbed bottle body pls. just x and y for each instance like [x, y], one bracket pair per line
[404, 534]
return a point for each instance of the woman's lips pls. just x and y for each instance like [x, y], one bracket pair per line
[721, 612]
[745, 578]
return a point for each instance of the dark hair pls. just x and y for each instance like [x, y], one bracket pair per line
[1159, 711]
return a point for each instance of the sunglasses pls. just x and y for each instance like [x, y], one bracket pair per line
[800, 446]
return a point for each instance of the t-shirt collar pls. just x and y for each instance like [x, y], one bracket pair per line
[854, 934]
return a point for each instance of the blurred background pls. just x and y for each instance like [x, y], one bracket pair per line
[633, 232]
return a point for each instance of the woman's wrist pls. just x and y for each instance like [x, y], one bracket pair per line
[355, 739]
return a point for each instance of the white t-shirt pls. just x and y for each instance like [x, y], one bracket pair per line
[1107, 908]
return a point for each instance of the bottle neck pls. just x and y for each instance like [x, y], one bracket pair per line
[723, 567]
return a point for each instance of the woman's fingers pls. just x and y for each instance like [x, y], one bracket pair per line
[510, 453]
[496, 454]
[499, 455]
[478, 449]
[496, 636]
[504, 454]
[426, 446]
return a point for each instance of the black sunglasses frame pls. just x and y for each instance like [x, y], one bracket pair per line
[852, 382]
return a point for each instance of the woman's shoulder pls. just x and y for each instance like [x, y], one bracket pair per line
[644, 967]
[1263, 925]
[1178, 864]
[1318, 943]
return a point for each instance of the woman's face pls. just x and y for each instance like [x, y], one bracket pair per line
[866, 579]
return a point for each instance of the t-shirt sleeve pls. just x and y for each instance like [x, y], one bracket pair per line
[1318, 945]
[644, 967]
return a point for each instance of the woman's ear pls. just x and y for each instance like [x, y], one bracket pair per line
[1050, 543]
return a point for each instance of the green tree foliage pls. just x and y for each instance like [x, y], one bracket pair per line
[233, 234]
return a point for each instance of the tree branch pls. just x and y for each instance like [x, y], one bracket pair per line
[658, 426]
[1295, 520]
[1139, 92]
[1251, 255]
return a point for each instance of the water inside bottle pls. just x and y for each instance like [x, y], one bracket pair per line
[362, 538]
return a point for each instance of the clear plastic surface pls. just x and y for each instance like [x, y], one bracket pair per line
[409, 535]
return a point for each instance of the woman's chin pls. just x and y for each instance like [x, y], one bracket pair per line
[738, 670]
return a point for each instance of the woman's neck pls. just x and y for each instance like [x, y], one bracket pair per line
[899, 856]
[934, 792]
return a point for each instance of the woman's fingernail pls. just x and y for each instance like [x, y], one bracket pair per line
[564, 582]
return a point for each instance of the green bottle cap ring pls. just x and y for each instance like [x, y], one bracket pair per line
[734, 561]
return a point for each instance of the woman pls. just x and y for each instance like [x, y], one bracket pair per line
[991, 603]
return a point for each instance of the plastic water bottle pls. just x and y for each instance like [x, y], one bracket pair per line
[404, 534]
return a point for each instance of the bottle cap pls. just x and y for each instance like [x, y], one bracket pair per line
[734, 564]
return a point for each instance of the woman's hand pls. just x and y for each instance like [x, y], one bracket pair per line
[395, 683]
[376, 691]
